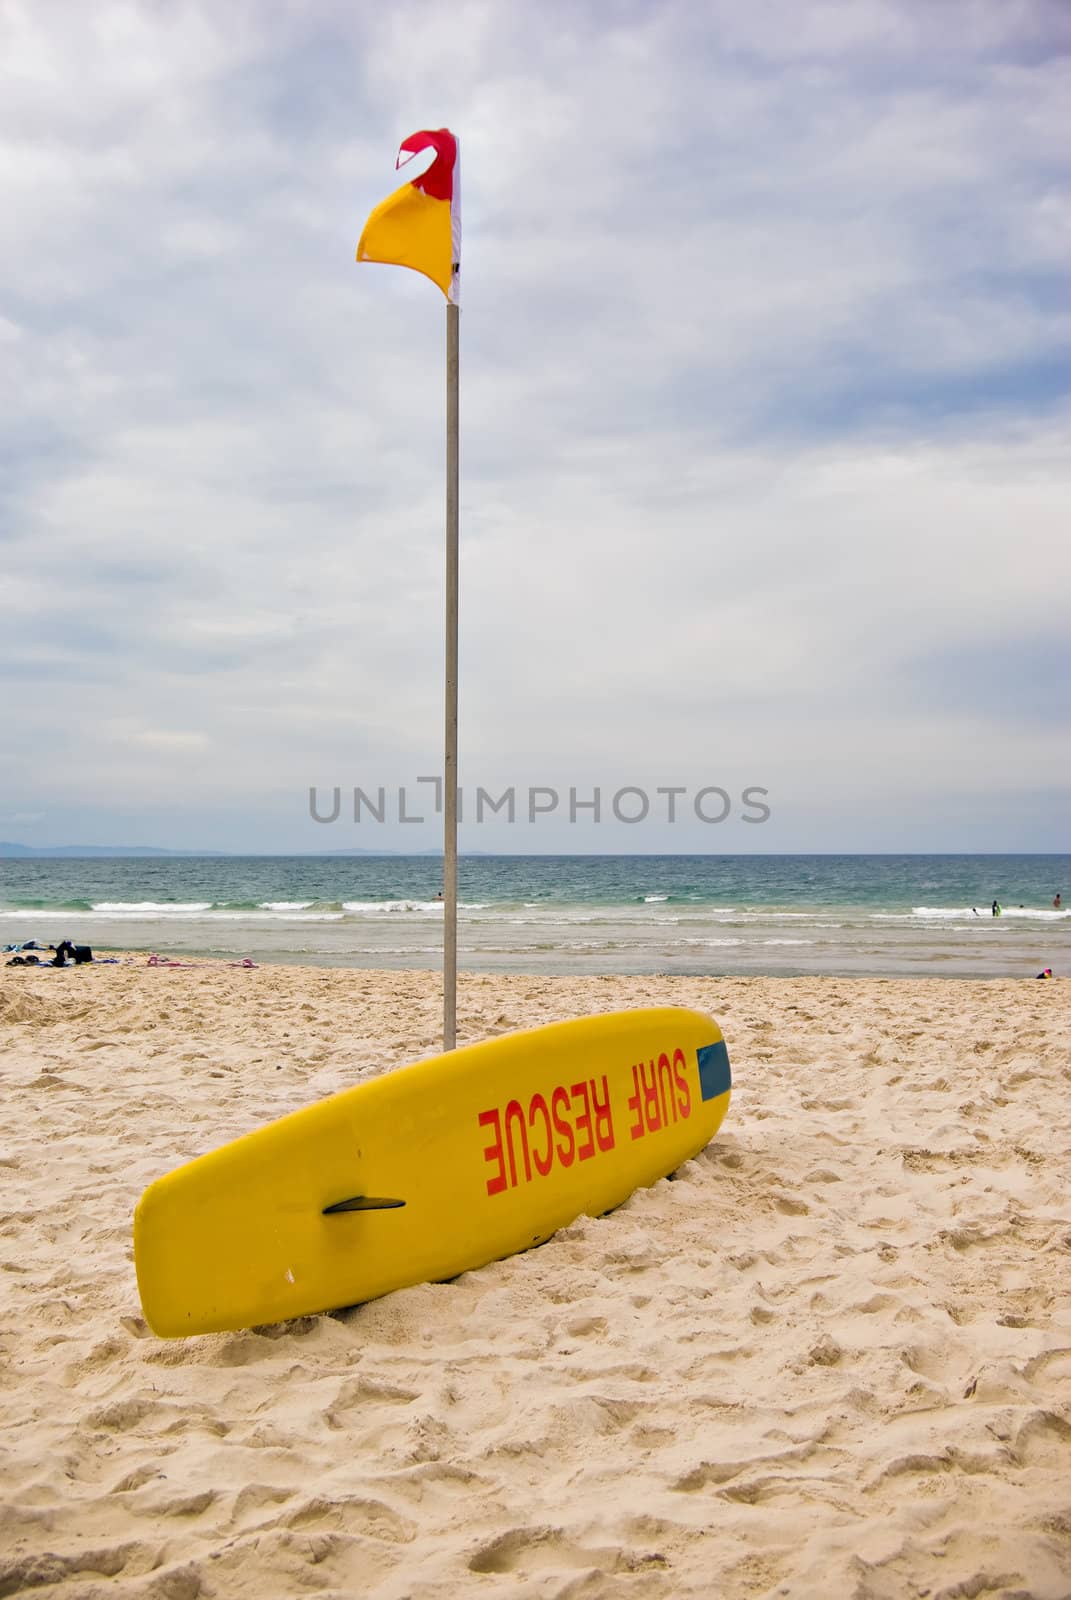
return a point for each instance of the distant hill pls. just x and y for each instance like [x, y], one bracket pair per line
[25, 851]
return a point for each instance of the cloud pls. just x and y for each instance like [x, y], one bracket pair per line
[765, 403]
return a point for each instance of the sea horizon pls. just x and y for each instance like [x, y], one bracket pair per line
[119, 852]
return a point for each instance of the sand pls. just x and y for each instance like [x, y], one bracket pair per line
[830, 1358]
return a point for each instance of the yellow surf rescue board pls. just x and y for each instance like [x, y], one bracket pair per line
[428, 1171]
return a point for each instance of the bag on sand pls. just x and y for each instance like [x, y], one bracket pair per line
[78, 953]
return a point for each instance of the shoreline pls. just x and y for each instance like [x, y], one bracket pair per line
[641, 916]
[910, 966]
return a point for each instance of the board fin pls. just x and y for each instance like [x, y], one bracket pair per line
[361, 1202]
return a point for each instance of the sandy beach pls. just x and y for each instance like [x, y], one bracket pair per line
[830, 1358]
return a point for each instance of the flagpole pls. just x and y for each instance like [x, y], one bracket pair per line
[450, 759]
[407, 230]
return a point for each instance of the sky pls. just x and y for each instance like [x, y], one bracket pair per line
[765, 407]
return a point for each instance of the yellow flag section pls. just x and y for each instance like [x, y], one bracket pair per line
[410, 229]
[428, 1171]
[419, 225]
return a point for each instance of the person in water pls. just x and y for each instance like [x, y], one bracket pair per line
[1056, 902]
[996, 909]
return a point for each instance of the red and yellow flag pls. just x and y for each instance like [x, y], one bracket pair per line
[419, 225]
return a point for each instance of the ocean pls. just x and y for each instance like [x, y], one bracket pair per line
[875, 916]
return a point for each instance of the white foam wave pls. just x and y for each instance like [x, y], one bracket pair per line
[375, 908]
[154, 908]
[207, 917]
[706, 944]
[276, 916]
[969, 914]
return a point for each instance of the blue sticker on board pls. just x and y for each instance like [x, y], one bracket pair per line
[715, 1077]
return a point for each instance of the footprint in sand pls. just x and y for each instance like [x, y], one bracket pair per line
[526, 1551]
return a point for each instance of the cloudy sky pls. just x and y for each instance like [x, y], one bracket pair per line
[766, 479]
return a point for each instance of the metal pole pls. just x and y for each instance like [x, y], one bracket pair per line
[450, 760]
